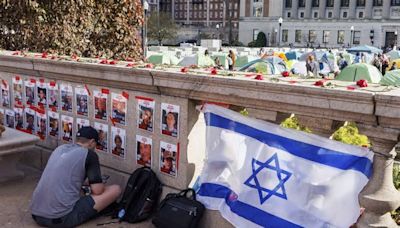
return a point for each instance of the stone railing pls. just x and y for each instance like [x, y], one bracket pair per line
[321, 109]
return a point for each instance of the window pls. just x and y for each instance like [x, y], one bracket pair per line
[288, 3]
[361, 14]
[289, 14]
[330, 14]
[315, 14]
[378, 3]
[315, 3]
[285, 33]
[344, 3]
[326, 37]
[360, 2]
[329, 3]
[344, 14]
[255, 33]
[312, 36]
[340, 37]
[395, 3]
[257, 8]
[356, 37]
[297, 37]
[301, 14]
[302, 3]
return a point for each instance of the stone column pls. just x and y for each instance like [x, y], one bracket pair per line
[208, 12]
[368, 9]
[352, 9]
[380, 197]
[187, 12]
[386, 9]
[173, 9]
[322, 9]
[308, 8]
[295, 8]
[336, 9]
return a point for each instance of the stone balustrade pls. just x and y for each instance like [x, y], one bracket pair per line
[321, 109]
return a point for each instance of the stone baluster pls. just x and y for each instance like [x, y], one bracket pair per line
[380, 197]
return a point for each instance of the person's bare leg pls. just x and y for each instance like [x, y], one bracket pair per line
[110, 194]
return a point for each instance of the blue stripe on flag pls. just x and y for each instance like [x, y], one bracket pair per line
[244, 210]
[304, 150]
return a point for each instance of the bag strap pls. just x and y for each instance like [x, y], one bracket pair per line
[185, 192]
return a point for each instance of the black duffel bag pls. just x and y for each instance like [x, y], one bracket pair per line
[179, 210]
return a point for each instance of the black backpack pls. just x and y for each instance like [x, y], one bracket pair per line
[140, 197]
[178, 210]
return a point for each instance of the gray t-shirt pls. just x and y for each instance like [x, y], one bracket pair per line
[59, 187]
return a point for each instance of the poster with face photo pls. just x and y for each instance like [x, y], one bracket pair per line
[145, 113]
[2, 116]
[54, 123]
[17, 87]
[53, 95]
[10, 119]
[41, 88]
[66, 128]
[102, 130]
[81, 123]
[168, 159]
[119, 108]
[100, 104]
[30, 91]
[41, 121]
[66, 97]
[81, 98]
[19, 117]
[170, 119]
[118, 142]
[5, 94]
[30, 116]
[143, 150]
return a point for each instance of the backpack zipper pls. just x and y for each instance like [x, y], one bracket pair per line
[192, 210]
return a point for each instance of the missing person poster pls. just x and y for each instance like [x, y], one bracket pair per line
[54, 123]
[143, 150]
[5, 94]
[53, 95]
[118, 142]
[19, 117]
[66, 130]
[10, 118]
[2, 116]
[168, 158]
[41, 88]
[100, 104]
[66, 97]
[119, 103]
[102, 130]
[81, 123]
[145, 107]
[81, 98]
[170, 119]
[30, 97]
[41, 120]
[30, 116]
[17, 87]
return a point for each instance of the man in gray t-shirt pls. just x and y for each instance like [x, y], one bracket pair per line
[57, 200]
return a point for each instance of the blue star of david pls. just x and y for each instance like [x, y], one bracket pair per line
[272, 164]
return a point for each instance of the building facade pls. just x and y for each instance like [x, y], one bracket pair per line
[321, 23]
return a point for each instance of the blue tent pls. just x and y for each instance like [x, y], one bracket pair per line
[364, 48]
[293, 55]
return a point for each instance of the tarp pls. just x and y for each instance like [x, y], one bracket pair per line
[317, 55]
[391, 78]
[393, 54]
[197, 59]
[243, 60]
[258, 174]
[299, 68]
[359, 71]
[293, 55]
[290, 63]
[364, 48]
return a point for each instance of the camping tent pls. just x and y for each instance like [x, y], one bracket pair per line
[364, 48]
[391, 78]
[243, 60]
[317, 55]
[293, 55]
[299, 68]
[359, 71]
[163, 59]
[394, 54]
[197, 59]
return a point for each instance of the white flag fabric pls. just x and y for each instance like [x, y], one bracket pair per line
[258, 174]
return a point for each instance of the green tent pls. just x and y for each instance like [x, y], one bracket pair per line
[163, 59]
[198, 60]
[243, 60]
[359, 71]
[391, 78]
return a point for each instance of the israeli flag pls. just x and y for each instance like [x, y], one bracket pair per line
[258, 174]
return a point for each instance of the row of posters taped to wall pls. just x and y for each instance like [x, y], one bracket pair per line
[42, 124]
[60, 97]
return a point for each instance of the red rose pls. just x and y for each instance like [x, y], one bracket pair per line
[285, 74]
[184, 69]
[15, 53]
[129, 59]
[259, 77]
[130, 65]
[149, 65]
[214, 71]
[319, 83]
[113, 62]
[362, 83]
[104, 61]
[74, 56]
[53, 57]
[44, 55]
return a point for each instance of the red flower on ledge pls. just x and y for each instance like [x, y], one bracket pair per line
[285, 74]
[104, 61]
[259, 77]
[149, 65]
[113, 62]
[184, 69]
[319, 83]
[214, 71]
[16, 53]
[130, 65]
[362, 83]
[44, 55]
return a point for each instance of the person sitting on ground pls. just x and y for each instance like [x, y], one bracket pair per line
[218, 64]
[394, 66]
[206, 53]
[57, 200]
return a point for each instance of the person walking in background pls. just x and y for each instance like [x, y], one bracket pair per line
[206, 53]
[231, 60]
[357, 59]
